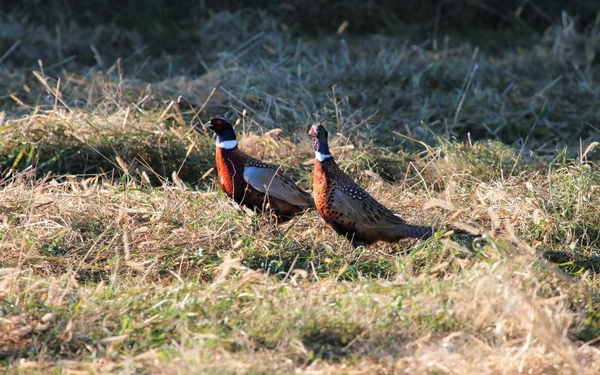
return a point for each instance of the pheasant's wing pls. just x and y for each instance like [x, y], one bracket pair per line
[268, 181]
[355, 204]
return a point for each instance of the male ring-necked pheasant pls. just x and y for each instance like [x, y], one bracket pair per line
[252, 183]
[348, 208]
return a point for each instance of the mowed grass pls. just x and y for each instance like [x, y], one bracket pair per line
[118, 253]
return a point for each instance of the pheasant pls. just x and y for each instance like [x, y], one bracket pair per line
[348, 208]
[252, 183]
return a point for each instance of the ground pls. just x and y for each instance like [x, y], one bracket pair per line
[119, 254]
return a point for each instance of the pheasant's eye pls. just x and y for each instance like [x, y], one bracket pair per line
[217, 122]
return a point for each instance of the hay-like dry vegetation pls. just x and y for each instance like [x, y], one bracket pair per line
[119, 254]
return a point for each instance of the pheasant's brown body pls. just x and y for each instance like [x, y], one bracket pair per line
[349, 209]
[231, 167]
[252, 183]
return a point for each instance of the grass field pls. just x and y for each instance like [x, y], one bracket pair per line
[119, 254]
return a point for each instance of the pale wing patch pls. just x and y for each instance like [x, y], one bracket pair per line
[367, 212]
[351, 209]
[267, 181]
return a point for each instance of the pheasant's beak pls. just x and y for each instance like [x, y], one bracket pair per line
[313, 132]
[208, 125]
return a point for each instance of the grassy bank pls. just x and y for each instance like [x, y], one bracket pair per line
[118, 253]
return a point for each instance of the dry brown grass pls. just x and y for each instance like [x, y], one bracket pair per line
[118, 254]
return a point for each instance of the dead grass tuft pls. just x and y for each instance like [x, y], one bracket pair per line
[119, 254]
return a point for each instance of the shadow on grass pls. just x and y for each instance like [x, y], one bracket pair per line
[149, 161]
[573, 264]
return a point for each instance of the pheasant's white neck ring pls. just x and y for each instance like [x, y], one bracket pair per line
[228, 145]
[321, 157]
